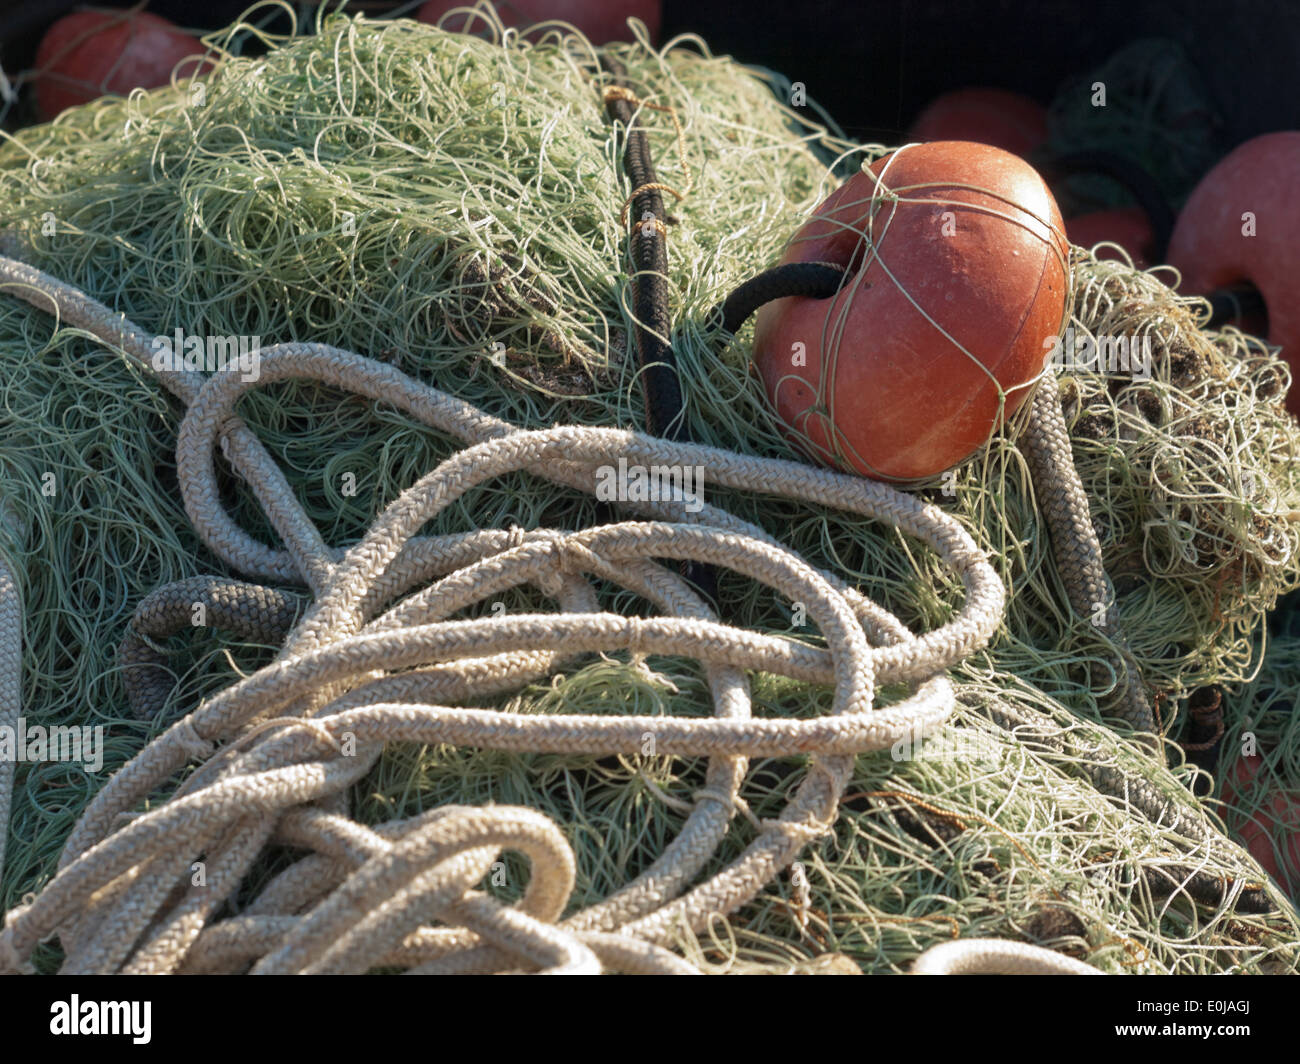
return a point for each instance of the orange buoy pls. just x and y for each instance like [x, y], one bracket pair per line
[89, 53]
[1004, 119]
[1126, 226]
[1278, 817]
[1240, 224]
[957, 285]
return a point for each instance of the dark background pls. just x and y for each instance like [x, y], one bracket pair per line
[874, 64]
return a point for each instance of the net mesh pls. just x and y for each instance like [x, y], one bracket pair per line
[420, 197]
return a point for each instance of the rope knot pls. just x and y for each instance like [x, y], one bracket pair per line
[11, 961]
[635, 635]
[187, 737]
[801, 832]
[733, 803]
[568, 557]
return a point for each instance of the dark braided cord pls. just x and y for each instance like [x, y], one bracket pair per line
[251, 611]
[665, 407]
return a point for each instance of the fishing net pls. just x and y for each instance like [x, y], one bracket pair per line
[1258, 781]
[451, 205]
[1147, 103]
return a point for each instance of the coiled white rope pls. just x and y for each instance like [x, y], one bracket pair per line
[140, 892]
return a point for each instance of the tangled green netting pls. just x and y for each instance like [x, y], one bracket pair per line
[420, 197]
[1148, 102]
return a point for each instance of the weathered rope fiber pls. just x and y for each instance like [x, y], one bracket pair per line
[988, 956]
[283, 745]
[1064, 506]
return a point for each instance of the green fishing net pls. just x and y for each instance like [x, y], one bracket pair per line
[1147, 103]
[452, 205]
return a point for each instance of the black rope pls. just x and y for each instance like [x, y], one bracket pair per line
[664, 406]
[1205, 888]
[1139, 184]
[1203, 736]
[819, 280]
[1234, 305]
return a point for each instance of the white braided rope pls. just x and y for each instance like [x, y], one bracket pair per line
[992, 956]
[291, 739]
[11, 655]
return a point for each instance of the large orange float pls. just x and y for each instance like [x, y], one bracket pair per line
[958, 281]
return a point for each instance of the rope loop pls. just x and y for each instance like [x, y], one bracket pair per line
[356, 666]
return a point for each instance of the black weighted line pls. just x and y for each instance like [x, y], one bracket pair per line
[1205, 888]
[665, 409]
[1204, 733]
[818, 280]
[251, 611]
[1140, 185]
